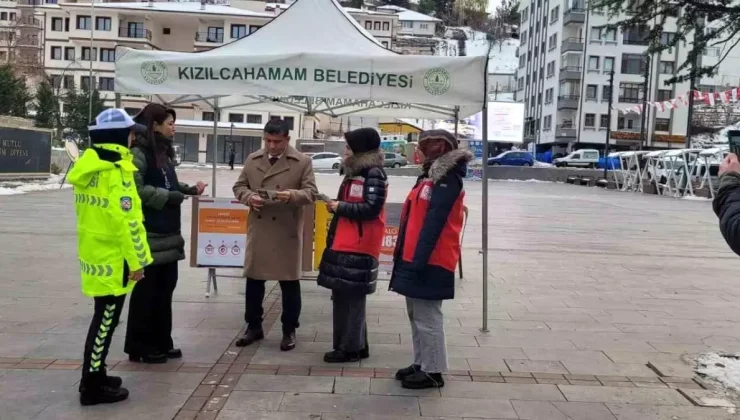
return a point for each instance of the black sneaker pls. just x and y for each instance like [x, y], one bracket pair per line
[250, 337]
[423, 380]
[288, 341]
[339, 356]
[407, 371]
[103, 395]
[111, 381]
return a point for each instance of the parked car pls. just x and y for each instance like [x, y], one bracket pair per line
[512, 158]
[326, 160]
[178, 154]
[394, 160]
[586, 158]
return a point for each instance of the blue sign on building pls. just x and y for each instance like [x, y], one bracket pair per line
[477, 148]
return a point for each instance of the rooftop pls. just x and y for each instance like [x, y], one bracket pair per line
[168, 7]
[409, 15]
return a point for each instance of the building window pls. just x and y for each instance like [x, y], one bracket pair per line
[608, 64]
[386, 26]
[554, 14]
[664, 95]
[595, 35]
[376, 25]
[208, 116]
[407, 24]
[166, 31]
[609, 35]
[84, 22]
[11, 16]
[592, 92]
[662, 124]
[290, 121]
[593, 62]
[632, 63]
[551, 68]
[57, 24]
[636, 35]
[253, 28]
[630, 92]
[547, 123]
[106, 84]
[385, 44]
[666, 38]
[523, 37]
[590, 120]
[86, 54]
[56, 81]
[604, 121]
[107, 55]
[606, 93]
[102, 24]
[3, 15]
[215, 34]
[369, 25]
[68, 82]
[423, 26]
[56, 53]
[236, 118]
[69, 53]
[553, 41]
[667, 67]
[254, 119]
[238, 31]
[66, 24]
[85, 82]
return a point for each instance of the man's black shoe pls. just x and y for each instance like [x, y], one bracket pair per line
[423, 380]
[288, 341]
[103, 395]
[155, 359]
[174, 353]
[250, 337]
[111, 381]
[338, 356]
[407, 371]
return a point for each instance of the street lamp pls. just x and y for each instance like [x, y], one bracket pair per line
[608, 126]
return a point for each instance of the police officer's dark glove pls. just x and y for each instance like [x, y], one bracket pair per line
[175, 198]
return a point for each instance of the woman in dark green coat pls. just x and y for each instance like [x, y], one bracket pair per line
[149, 330]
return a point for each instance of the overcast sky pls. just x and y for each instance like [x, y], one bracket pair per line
[492, 5]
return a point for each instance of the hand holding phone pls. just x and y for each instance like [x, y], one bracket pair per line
[323, 197]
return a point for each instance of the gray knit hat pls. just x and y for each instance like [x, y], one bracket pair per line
[438, 134]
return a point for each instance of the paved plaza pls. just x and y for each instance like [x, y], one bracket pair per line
[598, 300]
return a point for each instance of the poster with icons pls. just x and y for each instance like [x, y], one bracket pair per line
[220, 232]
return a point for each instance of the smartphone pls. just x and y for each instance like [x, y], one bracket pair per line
[323, 197]
[734, 142]
[267, 194]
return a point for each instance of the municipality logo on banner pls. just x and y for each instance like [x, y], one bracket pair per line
[154, 72]
[437, 81]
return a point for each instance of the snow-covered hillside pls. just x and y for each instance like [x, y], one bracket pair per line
[704, 141]
[503, 55]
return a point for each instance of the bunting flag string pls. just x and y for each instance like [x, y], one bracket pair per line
[707, 98]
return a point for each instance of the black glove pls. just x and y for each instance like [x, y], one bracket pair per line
[175, 198]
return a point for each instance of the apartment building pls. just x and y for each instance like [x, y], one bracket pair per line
[565, 59]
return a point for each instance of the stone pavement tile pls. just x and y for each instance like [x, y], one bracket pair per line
[487, 365]
[526, 339]
[393, 387]
[577, 377]
[349, 385]
[485, 352]
[607, 368]
[204, 390]
[284, 358]
[186, 415]
[254, 401]
[18, 345]
[543, 410]
[265, 415]
[479, 408]
[348, 416]
[610, 341]
[504, 325]
[623, 395]
[520, 380]
[623, 385]
[675, 369]
[365, 404]
[285, 383]
[581, 326]
[707, 398]
[666, 412]
[641, 357]
[485, 390]
[562, 381]
[494, 379]
[584, 383]
[593, 356]
[658, 385]
[541, 366]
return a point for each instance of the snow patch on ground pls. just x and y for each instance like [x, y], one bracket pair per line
[695, 198]
[503, 57]
[724, 369]
[14, 188]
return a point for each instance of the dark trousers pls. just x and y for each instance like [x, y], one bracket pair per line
[350, 322]
[99, 336]
[255, 294]
[231, 164]
[149, 329]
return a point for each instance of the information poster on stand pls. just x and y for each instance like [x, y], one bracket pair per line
[219, 233]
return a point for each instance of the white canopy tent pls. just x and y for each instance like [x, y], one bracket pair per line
[312, 51]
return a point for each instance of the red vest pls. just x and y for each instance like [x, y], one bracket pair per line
[446, 253]
[358, 236]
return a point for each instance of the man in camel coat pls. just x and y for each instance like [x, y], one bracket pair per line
[275, 228]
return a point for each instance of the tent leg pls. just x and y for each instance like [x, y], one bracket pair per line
[216, 118]
[211, 274]
[484, 238]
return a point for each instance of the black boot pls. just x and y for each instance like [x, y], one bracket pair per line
[288, 341]
[407, 371]
[156, 358]
[95, 390]
[173, 353]
[339, 356]
[250, 337]
[111, 381]
[423, 380]
[365, 353]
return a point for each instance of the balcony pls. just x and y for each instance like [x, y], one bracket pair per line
[28, 22]
[209, 37]
[28, 41]
[565, 131]
[135, 33]
[570, 73]
[572, 44]
[568, 101]
[635, 41]
[574, 16]
[629, 100]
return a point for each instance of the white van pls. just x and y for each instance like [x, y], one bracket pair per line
[587, 158]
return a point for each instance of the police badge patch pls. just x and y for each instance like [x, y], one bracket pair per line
[126, 203]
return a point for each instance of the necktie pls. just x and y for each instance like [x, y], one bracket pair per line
[273, 160]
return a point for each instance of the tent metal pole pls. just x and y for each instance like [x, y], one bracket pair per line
[484, 237]
[216, 118]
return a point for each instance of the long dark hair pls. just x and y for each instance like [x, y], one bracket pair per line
[161, 145]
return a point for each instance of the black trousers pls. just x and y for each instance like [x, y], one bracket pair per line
[255, 294]
[350, 322]
[99, 336]
[149, 329]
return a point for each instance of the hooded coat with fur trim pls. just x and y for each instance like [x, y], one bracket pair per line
[350, 272]
[425, 269]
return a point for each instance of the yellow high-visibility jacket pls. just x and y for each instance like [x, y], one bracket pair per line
[109, 222]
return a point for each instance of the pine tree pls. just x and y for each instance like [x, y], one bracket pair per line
[77, 111]
[46, 105]
[14, 96]
[427, 7]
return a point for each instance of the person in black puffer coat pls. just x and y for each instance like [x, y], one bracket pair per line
[149, 331]
[349, 265]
